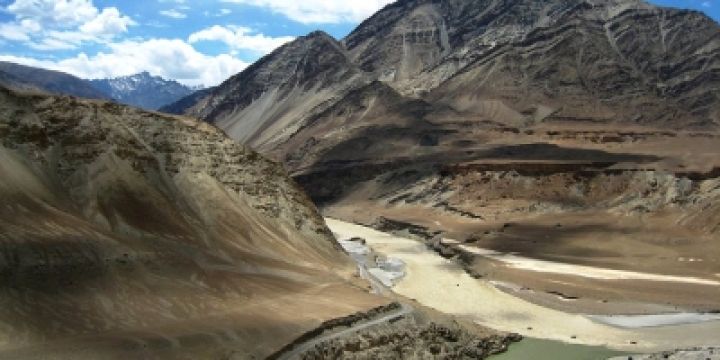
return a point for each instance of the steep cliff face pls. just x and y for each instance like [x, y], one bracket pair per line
[630, 66]
[125, 233]
[411, 38]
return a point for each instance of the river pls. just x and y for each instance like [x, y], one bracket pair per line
[441, 284]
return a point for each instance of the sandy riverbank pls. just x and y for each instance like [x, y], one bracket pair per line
[577, 239]
[553, 267]
[441, 284]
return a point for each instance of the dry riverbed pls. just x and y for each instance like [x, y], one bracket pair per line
[442, 284]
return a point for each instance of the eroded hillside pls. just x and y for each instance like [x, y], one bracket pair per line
[126, 233]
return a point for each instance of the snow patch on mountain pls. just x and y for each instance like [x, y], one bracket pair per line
[144, 90]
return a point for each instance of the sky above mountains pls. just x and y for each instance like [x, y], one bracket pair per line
[197, 42]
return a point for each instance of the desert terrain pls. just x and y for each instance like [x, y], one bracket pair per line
[445, 177]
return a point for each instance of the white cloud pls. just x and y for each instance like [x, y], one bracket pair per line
[53, 43]
[706, 4]
[239, 38]
[108, 23]
[14, 32]
[173, 59]
[62, 24]
[320, 11]
[68, 12]
[173, 13]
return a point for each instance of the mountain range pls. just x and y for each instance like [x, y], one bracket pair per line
[141, 90]
[579, 131]
[515, 64]
[562, 156]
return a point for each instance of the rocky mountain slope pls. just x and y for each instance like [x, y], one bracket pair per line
[181, 105]
[143, 90]
[30, 78]
[128, 234]
[515, 63]
[270, 100]
[506, 122]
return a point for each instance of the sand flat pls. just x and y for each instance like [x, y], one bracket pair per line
[642, 321]
[537, 265]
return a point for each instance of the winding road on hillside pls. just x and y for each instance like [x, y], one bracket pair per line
[295, 353]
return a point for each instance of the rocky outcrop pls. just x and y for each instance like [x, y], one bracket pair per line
[330, 325]
[400, 227]
[415, 336]
[685, 354]
[410, 341]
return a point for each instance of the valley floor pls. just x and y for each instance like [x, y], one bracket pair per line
[442, 284]
[584, 262]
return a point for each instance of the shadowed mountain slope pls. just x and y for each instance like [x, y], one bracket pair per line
[125, 233]
[54, 82]
[263, 105]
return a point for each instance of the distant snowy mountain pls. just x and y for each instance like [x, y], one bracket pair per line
[143, 90]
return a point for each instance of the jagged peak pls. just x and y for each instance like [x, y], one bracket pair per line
[317, 39]
[319, 34]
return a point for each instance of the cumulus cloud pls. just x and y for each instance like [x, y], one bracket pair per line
[319, 11]
[173, 59]
[18, 31]
[108, 23]
[239, 38]
[49, 25]
[62, 24]
[69, 12]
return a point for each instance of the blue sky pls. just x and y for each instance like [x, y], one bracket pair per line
[193, 41]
